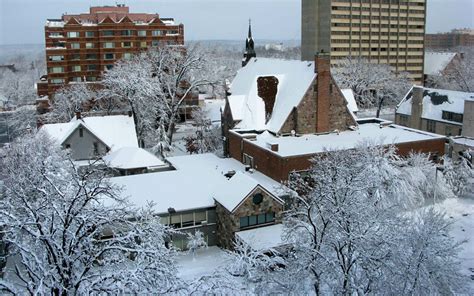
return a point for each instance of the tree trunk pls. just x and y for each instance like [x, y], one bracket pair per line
[379, 107]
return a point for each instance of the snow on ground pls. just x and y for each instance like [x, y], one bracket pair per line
[205, 262]
[460, 212]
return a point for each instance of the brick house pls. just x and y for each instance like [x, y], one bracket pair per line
[282, 113]
[439, 111]
[80, 47]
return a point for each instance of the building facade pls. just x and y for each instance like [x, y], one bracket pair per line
[438, 111]
[449, 40]
[79, 48]
[382, 31]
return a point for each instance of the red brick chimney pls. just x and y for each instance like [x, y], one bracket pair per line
[322, 65]
[78, 115]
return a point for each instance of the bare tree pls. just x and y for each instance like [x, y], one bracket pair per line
[70, 232]
[71, 99]
[374, 85]
[356, 227]
[156, 84]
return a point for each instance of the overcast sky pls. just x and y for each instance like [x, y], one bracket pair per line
[22, 21]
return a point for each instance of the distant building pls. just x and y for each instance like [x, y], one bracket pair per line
[80, 47]
[385, 32]
[438, 64]
[249, 47]
[439, 111]
[455, 38]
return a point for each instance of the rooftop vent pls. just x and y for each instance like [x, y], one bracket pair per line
[229, 174]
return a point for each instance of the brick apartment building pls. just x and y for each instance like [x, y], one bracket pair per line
[280, 114]
[79, 47]
[386, 32]
[449, 40]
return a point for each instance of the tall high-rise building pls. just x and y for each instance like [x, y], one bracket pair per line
[80, 47]
[383, 31]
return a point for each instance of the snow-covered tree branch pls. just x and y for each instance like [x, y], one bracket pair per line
[70, 231]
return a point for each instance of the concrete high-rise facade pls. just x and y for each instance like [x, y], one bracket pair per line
[80, 47]
[383, 31]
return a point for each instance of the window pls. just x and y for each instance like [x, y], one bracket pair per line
[108, 67]
[73, 34]
[109, 45]
[67, 146]
[76, 68]
[448, 130]
[96, 148]
[157, 33]
[127, 44]
[91, 67]
[91, 56]
[109, 56]
[187, 220]
[76, 56]
[75, 45]
[59, 44]
[257, 219]
[90, 34]
[127, 32]
[451, 116]
[143, 44]
[81, 132]
[126, 55]
[248, 160]
[141, 33]
[55, 35]
[56, 58]
[89, 45]
[57, 81]
[91, 78]
[76, 79]
[200, 217]
[56, 70]
[108, 33]
[431, 126]
[176, 221]
[403, 119]
[155, 43]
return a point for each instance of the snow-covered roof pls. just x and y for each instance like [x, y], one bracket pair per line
[116, 131]
[465, 141]
[232, 192]
[262, 238]
[55, 23]
[435, 101]
[191, 185]
[436, 62]
[132, 158]
[294, 78]
[350, 99]
[312, 144]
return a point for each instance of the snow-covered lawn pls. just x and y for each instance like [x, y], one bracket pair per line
[205, 262]
[461, 212]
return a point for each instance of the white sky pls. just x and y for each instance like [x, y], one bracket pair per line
[22, 21]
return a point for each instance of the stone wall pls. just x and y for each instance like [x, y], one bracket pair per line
[228, 223]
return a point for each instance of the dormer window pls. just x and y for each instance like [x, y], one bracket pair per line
[81, 132]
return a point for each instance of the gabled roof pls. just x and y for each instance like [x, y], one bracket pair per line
[436, 62]
[132, 158]
[115, 131]
[435, 101]
[294, 78]
[234, 191]
[192, 185]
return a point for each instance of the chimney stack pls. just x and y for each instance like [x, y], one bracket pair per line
[78, 115]
[322, 66]
[416, 107]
